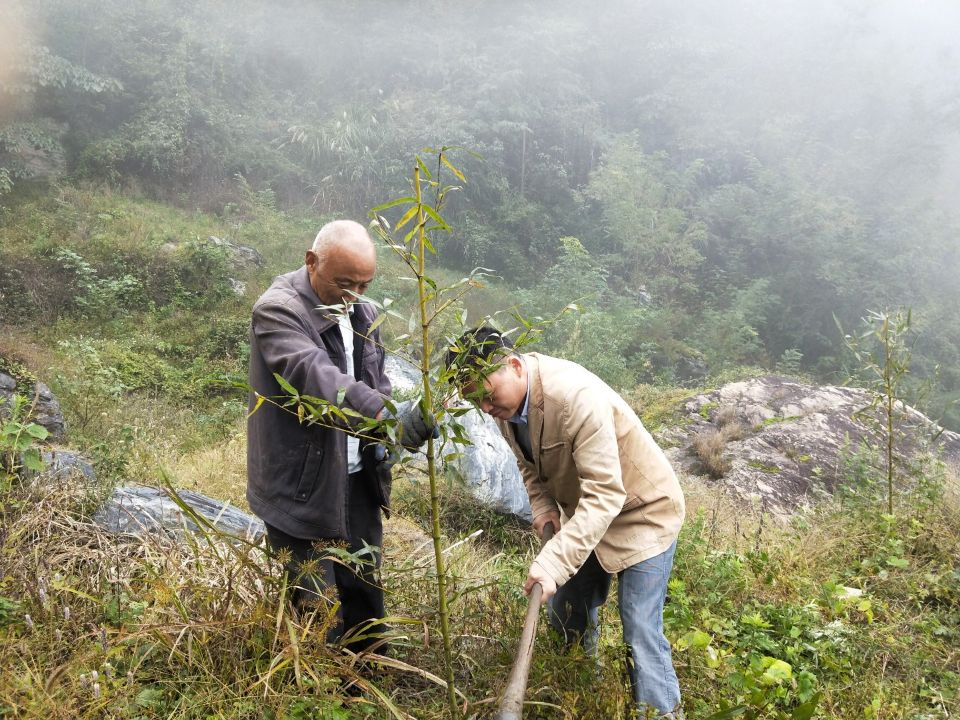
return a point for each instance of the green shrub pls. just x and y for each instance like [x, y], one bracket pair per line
[20, 440]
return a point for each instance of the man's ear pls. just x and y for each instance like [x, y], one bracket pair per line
[516, 364]
[309, 259]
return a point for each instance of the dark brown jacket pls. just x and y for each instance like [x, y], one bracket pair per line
[297, 473]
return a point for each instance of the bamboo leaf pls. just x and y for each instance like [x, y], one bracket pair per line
[449, 165]
[287, 387]
[391, 204]
[407, 216]
[424, 169]
[260, 401]
[436, 217]
[377, 323]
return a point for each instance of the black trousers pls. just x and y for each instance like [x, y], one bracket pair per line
[358, 584]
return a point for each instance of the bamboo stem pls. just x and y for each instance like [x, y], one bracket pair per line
[431, 450]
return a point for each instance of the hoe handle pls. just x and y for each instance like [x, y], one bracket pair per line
[511, 705]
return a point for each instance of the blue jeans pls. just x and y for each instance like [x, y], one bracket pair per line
[642, 589]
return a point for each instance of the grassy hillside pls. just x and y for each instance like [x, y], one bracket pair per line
[125, 309]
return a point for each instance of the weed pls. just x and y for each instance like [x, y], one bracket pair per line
[764, 467]
[709, 444]
[20, 441]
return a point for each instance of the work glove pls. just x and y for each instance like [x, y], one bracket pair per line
[413, 427]
[377, 465]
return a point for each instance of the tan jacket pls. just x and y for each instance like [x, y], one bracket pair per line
[616, 491]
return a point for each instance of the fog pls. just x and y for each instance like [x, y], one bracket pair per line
[835, 73]
[758, 168]
[874, 80]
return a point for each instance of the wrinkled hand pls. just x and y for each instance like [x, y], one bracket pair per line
[541, 521]
[538, 575]
[414, 429]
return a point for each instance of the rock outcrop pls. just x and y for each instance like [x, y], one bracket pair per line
[242, 256]
[778, 443]
[782, 444]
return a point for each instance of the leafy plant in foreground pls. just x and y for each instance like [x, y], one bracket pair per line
[19, 443]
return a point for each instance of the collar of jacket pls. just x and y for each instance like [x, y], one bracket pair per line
[535, 407]
[362, 316]
[534, 411]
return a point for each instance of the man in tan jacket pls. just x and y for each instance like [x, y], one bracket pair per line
[593, 470]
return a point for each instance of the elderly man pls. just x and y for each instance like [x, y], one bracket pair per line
[593, 470]
[313, 484]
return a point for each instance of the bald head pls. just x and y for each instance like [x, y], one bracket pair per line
[342, 262]
[342, 234]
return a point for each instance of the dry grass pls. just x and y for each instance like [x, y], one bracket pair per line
[199, 624]
[709, 446]
[219, 470]
[20, 348]
[952, 487]
[725, 415]
[204, 620]
[203, 615]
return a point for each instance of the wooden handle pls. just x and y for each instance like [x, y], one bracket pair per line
[511, 706]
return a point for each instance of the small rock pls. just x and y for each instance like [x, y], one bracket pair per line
[64, 464]
[845, 592]
[45, 412]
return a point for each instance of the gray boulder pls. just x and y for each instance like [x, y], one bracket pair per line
[242, 256]
[404, 376]
[781, 443]
[486, 466]
[62, 464]
[46, 407]
[489, 468]
[143, 510]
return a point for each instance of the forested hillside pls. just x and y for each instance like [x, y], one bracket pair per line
[713, 182]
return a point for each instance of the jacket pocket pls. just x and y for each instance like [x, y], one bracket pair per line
[310, 474]
[556, 461]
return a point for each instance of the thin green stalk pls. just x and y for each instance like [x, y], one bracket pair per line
[431, 451]
[890, 390]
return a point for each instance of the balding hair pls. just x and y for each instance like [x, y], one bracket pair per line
[341, 233]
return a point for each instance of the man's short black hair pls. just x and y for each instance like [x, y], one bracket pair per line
[477, 353]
